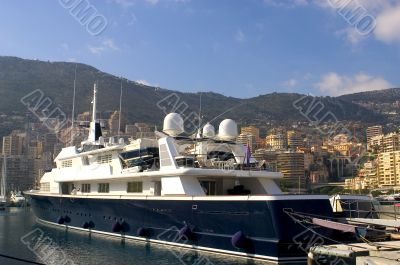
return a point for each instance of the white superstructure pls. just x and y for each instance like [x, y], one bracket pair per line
[169, 165]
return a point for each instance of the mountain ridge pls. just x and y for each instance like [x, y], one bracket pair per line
[143, 103]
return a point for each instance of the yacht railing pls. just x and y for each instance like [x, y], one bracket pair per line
[201, 161]
[378, 209]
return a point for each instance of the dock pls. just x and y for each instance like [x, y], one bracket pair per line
[375, 253]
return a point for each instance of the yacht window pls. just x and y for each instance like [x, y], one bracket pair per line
[85, 160]
[104, 188]
[164, 156]
[136, 186]
[45, 186]
[104, 159]
[66, 163]
[145, 158]
[85, 188]
[209, 187]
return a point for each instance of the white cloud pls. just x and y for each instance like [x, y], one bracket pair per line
[388, 25]
[351, 35]
[286, 3]
[291, 83]
[384, 16]
[152, 2]
[65, 47]
[240, 37]
[308, 76]
[105, 45]
[334, 84]
[124, 3]
[143, 82]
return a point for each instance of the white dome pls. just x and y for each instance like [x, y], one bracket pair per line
[173, 124]
[228, 130]
[208, 130]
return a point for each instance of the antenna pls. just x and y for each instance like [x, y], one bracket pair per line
[73, 109]
[92, 130]
[120, 109]
[199, 126]
[94, 102]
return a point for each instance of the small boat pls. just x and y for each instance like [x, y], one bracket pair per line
[17, 199]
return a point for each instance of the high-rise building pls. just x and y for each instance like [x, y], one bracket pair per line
[385, 143]
[248, 139]
[372, 132]
[291, 164]
[49, 140]
[13, 144]
[276, 141]
[252, 130]
[294, 140]
[18, 172]
[389, 168]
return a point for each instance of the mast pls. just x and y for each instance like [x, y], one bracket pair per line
[3, 177]
[92, 130]
[120, 109]
[73, 109]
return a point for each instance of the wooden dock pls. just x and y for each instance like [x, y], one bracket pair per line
[375, 253]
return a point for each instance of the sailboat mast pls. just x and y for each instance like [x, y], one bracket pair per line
[3, 177]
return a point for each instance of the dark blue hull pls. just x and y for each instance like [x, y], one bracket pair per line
[250, 228]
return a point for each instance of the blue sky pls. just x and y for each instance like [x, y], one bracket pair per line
[239, 48]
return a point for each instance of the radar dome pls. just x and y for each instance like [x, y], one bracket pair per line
[208, 130]
[173, 124]
[228, 130]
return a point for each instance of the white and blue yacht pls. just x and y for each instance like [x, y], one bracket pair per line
[205, 193]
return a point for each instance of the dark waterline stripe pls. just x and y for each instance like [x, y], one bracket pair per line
[23, 260]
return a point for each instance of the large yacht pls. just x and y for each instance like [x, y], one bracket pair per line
[204, 192]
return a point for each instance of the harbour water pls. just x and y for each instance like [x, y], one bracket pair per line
[20, 234]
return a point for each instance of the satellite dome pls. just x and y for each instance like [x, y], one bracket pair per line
[228, 130]
[208, 130]
[173, 124]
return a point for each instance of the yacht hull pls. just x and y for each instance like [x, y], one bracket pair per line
[243, 226]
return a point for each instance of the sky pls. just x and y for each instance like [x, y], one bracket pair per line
[239, 48]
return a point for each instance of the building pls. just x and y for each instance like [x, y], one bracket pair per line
[131, 129]
[276, 141]
[390, 142]
[253, 135]
[388, 169]
[370, 173]
[385, 143]
[291, 164]
[356, 183]
[372, 132]
[294, 140]
[267, 158]
[248, 139]
[145, 130]
[252, 130]
[14, 143]
[19, 173]
[114, 123]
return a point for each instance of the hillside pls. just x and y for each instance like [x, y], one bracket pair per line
[18, 77]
